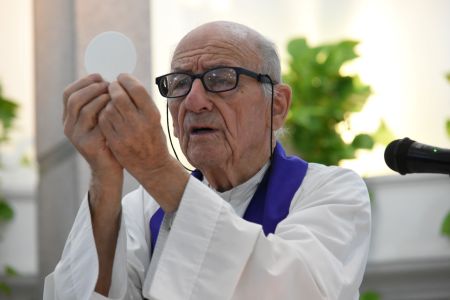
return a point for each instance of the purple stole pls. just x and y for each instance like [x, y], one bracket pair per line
[272, 199]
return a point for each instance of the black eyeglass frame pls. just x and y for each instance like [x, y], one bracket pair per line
[263, 78]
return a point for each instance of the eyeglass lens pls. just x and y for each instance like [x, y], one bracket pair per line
[216, 80]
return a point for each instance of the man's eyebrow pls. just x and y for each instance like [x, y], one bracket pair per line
[207, 66]
[218, 64]
[181, 70]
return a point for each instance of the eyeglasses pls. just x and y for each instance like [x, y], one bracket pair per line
[216, 80]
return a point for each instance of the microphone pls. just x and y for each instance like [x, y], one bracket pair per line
[407, 156]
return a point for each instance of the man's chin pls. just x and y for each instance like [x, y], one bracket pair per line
[204, 156]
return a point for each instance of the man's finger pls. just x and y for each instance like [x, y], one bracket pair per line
[88, 118]
[106, 123]
[82, 97]
[136, 91]
[79, 84]
[121, 100]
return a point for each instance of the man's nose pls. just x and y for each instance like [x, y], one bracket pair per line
[197, 100]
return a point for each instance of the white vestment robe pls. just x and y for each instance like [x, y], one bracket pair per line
[207, 251]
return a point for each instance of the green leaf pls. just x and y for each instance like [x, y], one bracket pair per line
[370, 296]
[447, 125]
[337, 55]
[297, 46]
[363, 141]
[10, 271]
[346, 49]
[6, 212]
[8, 112]
[5, 289]
[445, 228]
[344, 52]
[448, 76]
[383, 135]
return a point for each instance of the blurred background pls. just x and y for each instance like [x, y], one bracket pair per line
[396, 53]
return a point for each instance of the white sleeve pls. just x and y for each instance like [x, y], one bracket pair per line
[76, 273]
[318, 252]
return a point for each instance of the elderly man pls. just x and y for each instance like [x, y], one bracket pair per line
[249, 223]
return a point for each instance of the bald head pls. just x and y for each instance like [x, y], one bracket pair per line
[225, 29]
[249, 45]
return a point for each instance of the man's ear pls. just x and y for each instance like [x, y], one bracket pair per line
[281, 104]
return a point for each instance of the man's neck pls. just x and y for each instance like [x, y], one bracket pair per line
[224, 179]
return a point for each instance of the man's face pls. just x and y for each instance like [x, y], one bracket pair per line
[220, 130]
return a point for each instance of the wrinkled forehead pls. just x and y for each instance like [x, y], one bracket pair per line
[210, 46]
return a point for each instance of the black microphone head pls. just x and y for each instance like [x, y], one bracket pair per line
[389, 155]
[395, 155]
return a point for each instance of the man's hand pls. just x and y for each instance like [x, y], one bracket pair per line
[131, 125]
[83, 101]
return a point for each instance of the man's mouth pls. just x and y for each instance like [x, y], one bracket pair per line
[202, 130]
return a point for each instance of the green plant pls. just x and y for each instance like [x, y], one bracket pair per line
[4, 287]
[322, 100]
[8, 112]
[369, 296]
[6, 212]
[445, 227]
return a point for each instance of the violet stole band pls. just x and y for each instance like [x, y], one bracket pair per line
[272, 199]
